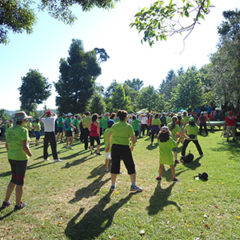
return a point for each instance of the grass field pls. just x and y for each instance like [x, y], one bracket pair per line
[71, 199]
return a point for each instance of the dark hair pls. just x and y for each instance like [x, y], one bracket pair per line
[37, 120]
[134, 117]
[156, 116]
[19, 122]
[192, 123]
[163, 137]
[94, 117]
[87, 113]
[112, 115]
[174, 120]
[122, 114]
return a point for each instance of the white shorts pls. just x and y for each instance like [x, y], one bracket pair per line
[108, 155]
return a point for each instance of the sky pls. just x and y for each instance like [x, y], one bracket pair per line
[108, 29]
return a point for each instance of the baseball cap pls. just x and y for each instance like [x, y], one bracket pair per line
[20, 116]
[69, 114]
[110, 122]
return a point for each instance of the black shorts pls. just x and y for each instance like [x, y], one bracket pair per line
[18, 171]
[136, 133]
[69, 133]
[92, 139]
[76, 131]
[122, 152]
[60, 129]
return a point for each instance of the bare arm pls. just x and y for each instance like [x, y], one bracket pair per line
[6, 145]
[133, 140]
[26, 148]
[109, 142]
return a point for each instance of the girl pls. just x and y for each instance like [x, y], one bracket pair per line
[166, 144]
[94, 132]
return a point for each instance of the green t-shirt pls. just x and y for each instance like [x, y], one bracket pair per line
[105, 122]
[14, 137]
[86, 121]
[168, 119]
[37, 127]
[29, 126]
[135, 124]
[175, 130]
[68, 121]
[121, 132]
[60, 122]
[76, 122]
[165, 151]
[100, 123]
[192, 130]
[105, 136]
[156, 122]
[185, 120]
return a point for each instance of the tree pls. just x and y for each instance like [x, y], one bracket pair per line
[136, 84]
[77, 79]
[97, 104]
[161, 20]
[19, 16]
[225, 63]
[3, 115]
[34, 90]
[188, 93]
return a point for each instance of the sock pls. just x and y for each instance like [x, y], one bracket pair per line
[133, 184]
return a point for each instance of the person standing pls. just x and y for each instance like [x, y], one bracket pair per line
[230, 121]
[94, 132]
[18, 154]
[60, 126]
[86, 122]
[156, 123]
[119, 135]
[48, 119]
[144, 125]
[69, 130]
[203, 123]
[37, 129]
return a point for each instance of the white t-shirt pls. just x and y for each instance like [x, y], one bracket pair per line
[49, 123]
[144, 120]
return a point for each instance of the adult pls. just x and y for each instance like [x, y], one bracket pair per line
[203, 123]
[144, 125]
[163, 120]
[230, 121]
[156, 123]
[48, 119]
[69, 130]
[86, 122]
[76, 124]
[105, 121]
[94, 132]
[18, 153]
[60, 126]
[37, 129]
[119, 136]
[190, 134]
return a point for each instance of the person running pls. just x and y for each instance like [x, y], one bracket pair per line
[60, 128]
[18, 154]
[175, 134]
[119, 136]
[190, 135]
[156, 123]
[107, 154]
[166, 146]
[37, 129]
[48, 119]
[94, 132]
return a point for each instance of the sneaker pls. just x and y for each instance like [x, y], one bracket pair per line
[175, 179]
[106, 170]
[112, 188]
[45, 160]
[201, 155]
[159, 178]
[5, 204]
[176, 161]
[135, 189]
[20, 206]
[99, 153]
[58, 160]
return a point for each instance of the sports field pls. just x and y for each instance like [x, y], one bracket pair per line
[71, 199]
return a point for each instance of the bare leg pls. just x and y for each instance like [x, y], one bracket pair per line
[91, 149]
[133, 178]
[173, 171]
[160, 169]
[106, 163]
[113, 178]
[19, 193]
[98, 148]
[10, 189]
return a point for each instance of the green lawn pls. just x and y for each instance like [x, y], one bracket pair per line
[71, 199]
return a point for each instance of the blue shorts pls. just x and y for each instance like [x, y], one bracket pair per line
[37, 134]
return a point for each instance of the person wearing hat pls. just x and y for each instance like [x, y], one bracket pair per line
[190, 135]
[107, 153]
[18, 154]
[48, 119]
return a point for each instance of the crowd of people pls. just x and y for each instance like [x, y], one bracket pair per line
[120, 133]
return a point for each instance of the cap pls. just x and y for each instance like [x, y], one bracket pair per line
[164, 128]
[110, 122]
[48, 112]
[69, 114]
[20, 116]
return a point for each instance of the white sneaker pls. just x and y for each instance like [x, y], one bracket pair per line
[57, 160]
[45, 160]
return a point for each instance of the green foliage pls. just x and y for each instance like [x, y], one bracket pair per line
[97, 104]
[77, 79]
[19, 16]
[34, 90]
[135, 84]
[4, 115]
[188, 93]
[163, 19]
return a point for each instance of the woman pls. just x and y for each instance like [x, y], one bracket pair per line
[37, 129]
[156, 123]
[119, 136]
[94, 132]
[18, 153]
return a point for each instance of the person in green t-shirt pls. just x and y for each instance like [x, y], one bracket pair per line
[107, 154]
[76, 124]
[86, 122]
[37, 129]
[105, 121]
[185, 118]
[18, 153]
[175, 130]
[119, 136]
[69, 129]
[156, 123]
[190, 134]
[60, 128]
[136, 123]
[166, 146]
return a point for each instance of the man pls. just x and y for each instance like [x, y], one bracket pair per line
[86, 122]
[60, 125]
[48, 120]
[203, 123]
[230, 122]
[69, 129]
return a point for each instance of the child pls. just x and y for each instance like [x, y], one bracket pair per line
[166, 144]
[37, 129]
[107, 154]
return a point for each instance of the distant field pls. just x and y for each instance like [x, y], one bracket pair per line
[71, 199]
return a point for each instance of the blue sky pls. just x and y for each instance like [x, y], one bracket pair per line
[110, 30]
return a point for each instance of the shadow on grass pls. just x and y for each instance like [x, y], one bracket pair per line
[96, 220]
[6, 215]
[39, 164]
[78, 161]
[194, 164]
[99, 170]
[91, 190]
[5, 174]
[168, 175]
[159, 199]
[152, 146]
